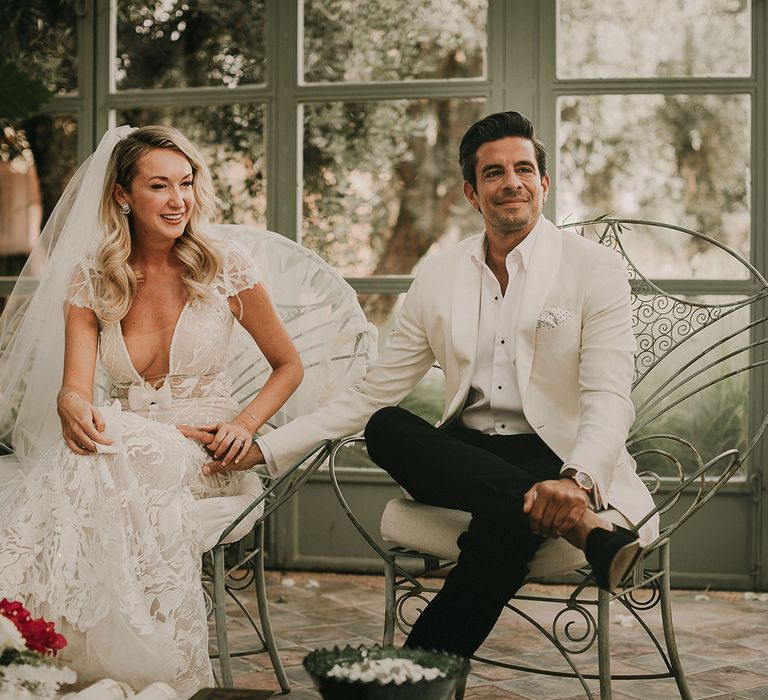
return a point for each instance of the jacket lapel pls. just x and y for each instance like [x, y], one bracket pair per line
[465, 317]
[539, 279]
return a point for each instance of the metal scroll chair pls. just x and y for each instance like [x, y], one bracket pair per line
[315, 303]
[691, 353]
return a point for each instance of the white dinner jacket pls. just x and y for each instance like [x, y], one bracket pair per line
[574, 354]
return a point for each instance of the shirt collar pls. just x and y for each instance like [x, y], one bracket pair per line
[524, 249]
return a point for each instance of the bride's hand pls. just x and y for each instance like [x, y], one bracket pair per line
[81, 424]
[254, 456]
[231, 441]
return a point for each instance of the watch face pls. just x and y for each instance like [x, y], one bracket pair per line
[584, 480]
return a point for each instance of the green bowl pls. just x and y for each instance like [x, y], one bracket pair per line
[319, 662]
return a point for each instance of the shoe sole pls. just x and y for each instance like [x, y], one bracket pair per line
[622, 562]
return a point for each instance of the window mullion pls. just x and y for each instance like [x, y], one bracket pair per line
[103, 23]
[88, 62]
[408, 89]
[758, 466]
[283, 127]
[496, 66]
[546, 99]
[692, 86]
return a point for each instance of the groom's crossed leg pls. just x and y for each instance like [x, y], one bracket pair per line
[486, 475]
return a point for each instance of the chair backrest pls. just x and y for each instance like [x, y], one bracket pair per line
[330, 331]
[693, 425]
[322, 315]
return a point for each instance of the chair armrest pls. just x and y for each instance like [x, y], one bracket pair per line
[707, 489]
[284, 486]
[383, 553]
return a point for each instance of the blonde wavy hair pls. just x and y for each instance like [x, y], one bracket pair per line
[115, 281]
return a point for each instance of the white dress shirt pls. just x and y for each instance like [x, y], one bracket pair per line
[494, 405]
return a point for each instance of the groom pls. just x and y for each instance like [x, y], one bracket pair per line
[532, 327]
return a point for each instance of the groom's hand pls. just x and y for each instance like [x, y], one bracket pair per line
[553, 507]
[253, 457]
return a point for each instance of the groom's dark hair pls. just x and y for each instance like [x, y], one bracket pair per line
[492, 128]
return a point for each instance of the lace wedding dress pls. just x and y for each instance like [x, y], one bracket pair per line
[108, 544]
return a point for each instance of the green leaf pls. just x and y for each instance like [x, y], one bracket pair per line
[20, 94]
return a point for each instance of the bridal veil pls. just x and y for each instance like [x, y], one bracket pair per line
[32, 323]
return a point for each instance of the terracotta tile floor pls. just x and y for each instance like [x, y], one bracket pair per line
[722, 637]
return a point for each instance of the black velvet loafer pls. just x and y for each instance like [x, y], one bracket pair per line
[611, 554]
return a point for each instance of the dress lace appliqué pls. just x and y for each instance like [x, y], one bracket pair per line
[108, 543]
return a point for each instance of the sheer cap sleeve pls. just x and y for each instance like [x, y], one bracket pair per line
[81, 287]
[240, 271]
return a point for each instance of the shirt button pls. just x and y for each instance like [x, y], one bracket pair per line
[503, 341]
[503, 426]
[499, 387]
[496, 298]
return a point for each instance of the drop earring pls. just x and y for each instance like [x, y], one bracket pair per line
[125, 208]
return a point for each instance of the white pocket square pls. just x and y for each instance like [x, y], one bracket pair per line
[553, 317]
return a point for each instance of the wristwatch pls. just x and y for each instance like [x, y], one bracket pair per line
[583, 481]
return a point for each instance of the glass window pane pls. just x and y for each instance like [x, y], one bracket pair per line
[676, 159]
[382, 185]
[189, 43]
[654, 38]
[231, 137]
[394, 40]
[41, 37]
[38, 156]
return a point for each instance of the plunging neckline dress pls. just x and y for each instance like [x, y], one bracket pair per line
[108, 545]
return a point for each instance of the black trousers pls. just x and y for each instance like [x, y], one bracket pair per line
[486, 475]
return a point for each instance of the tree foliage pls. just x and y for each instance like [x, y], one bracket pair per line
[681, 159]
[183, 43]
[381, 183]
[20, 94]
[39, 40]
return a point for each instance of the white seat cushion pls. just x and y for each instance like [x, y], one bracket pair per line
[434, 530]
[216, 514]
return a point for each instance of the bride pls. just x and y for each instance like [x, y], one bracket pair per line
[99, 533]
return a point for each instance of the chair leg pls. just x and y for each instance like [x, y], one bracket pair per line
[604, 643]
[460, 688]
[266, 623]
[220, 617]
[389, 604]
[669, 629]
